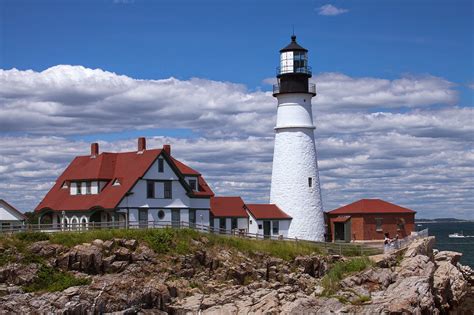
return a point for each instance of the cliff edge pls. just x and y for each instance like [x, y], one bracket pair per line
[127, 276]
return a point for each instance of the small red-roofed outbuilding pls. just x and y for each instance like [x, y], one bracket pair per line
[368, 220]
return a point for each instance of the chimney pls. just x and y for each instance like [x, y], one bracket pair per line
[141, 144]
[167, 149]
[94, 149]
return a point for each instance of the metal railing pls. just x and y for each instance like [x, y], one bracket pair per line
[292, 69]
[402, 243]
[330, 248]
[311, 88]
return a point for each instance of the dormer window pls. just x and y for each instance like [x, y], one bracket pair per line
[79, 188]
[88, 188]
[65, 185]
[116, 182]
[193, 184]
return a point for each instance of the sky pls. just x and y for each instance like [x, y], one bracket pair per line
[394, 110]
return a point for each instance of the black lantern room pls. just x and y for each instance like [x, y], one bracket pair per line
[293, 73]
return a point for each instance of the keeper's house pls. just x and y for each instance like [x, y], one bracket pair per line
[143, 187]
[368, 220]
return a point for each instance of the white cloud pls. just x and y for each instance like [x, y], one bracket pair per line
[402, 140]
[330, 10]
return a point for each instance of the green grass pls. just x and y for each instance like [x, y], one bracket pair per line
[179, 241]
[339, 270]
[16, 248]
[51, 280]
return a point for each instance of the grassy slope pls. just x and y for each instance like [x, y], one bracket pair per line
[173, 241]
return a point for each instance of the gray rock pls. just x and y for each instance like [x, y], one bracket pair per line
[423, 246]
[449, 256]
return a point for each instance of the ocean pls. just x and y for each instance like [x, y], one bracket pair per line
[443, 242]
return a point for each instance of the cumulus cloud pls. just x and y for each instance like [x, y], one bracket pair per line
[402, 140]
[336, 89]
[330, 10]
[72, 100]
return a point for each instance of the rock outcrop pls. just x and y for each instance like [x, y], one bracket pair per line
[128, 277]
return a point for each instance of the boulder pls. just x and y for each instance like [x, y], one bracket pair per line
[123, 254]
[449, 285]
[372, 279]
[315, 266]
[423, 246]
[407, 295]
[384, 260]
[45, 249]
[85, 257]
[18, 274]
[108, 245]
[419, 265]
[98, 243]
[131, 244]
[449, 256]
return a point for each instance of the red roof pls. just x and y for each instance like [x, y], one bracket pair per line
[228, 207]
[267, 211]
[184, 169]
[343, 218]
[371, 206]
[127, 166]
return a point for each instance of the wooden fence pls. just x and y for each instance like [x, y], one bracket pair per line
[350, 249]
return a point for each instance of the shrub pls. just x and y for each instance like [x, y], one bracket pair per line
[51, 280]
[31, 237]
[339, 270]
[160, 241]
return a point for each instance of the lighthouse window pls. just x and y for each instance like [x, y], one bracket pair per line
[310, 181]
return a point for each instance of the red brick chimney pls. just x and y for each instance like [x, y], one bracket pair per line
[141, 144]
[167, 148]
[94, 149]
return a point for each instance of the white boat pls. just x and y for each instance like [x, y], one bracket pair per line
[457, 235]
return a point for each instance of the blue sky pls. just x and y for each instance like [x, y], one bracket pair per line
[238, 41]
[394, 110]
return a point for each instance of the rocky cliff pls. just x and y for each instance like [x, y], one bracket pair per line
[126, 276]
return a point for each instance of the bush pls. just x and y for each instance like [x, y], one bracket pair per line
[339, 270]
[31, 237]
[161, 241]
[51, 280]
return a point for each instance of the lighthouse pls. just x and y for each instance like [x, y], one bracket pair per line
[295, 178]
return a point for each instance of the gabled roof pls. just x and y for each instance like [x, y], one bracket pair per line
[267, 211]
[9, 212]
[184, 169]
[129, 167]
[370, 206]
[228, 207]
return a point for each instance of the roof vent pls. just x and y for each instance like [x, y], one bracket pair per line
[94, 149]
[167, 148]
[141, 144]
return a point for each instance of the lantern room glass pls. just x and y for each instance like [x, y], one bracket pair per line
[294, 62]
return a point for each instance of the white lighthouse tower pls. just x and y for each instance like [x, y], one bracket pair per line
[295, 179]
